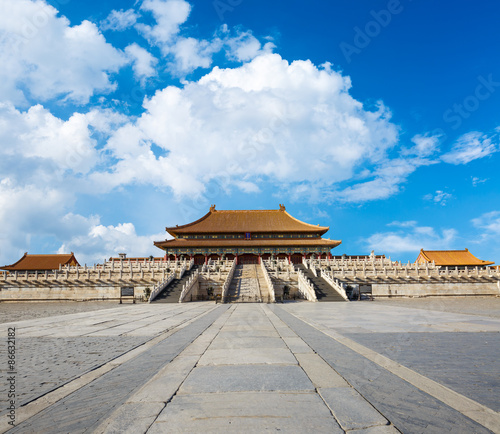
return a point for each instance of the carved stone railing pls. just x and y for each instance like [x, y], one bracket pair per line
[269, 282]
[314, 270]
[188, 286]
[334, 284]
[160, 287]
[306, 289]
[412, 273]
[227, 282]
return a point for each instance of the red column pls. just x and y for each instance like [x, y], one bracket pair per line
[175, 257]
[206, 259]
[289, 258]
[236, 258]
[260, 258]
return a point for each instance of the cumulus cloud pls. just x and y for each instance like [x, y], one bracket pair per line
[169, 16]
[470, 147]
[102, 242]
[185, 54]
[44, 57]
[47, 141]
[411, 238]
[144, 62]
[191, 53]
[119, 20]
[27, 211]
[32, 211]
[268, 119]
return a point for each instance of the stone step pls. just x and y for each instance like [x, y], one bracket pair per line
[324, 291]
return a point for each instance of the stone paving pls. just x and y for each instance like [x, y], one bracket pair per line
[294, 367]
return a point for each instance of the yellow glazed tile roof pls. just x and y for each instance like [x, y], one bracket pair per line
[42, 262]
[451, 258]
[241, 221]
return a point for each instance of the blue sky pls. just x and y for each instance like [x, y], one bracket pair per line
[376, 118]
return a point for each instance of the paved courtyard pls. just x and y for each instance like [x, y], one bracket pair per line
[361, 367]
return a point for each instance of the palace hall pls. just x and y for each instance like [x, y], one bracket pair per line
[247, 236]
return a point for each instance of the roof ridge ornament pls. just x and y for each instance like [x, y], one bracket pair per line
[212, 208]
[282, 207]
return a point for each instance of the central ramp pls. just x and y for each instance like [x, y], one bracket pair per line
[245, 287]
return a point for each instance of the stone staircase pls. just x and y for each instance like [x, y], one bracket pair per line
[173, 291]
[245, 284]
[264, 290]
[324, 291]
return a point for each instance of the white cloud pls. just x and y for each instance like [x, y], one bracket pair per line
[144, 63]
[119, 20]
[386, 182]
[191, 53]
[406, 224]
[44, 57]
[244, 46]
[439, 197]
[186, 54]
[425, 145]
[102, 242]
[411, 238]
[490, 222]
[46, 140]
[476, 181]
[28, 211]
[268, 119]
[44, 164]
[470, 147]
[169, 16]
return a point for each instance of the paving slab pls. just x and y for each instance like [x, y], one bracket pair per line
[132, 418]
[243, 378]
[165, 383]
[297, 345]
[320, 372]
[235, 342]
[248, 356]
[246, 412]
[350, 409]
[387, 429]
[266, 333]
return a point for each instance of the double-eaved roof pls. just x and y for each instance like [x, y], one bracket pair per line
[451, 258]
[41, 262]
[262, 242]
[241, 221]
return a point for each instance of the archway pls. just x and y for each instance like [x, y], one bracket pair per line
[199, 259]
[248, 258]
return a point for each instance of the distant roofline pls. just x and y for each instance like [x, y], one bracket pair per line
[424, 254]
[12, 267]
